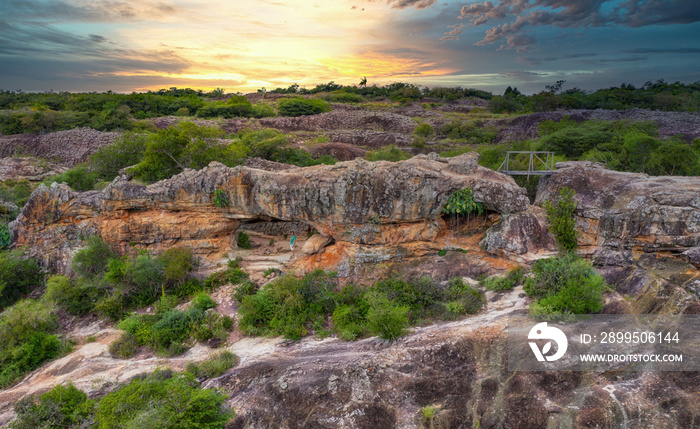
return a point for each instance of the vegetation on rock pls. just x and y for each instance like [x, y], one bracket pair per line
[561, 217]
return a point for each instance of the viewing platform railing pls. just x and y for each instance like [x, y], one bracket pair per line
[537, 166]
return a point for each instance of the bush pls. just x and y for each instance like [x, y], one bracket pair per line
[246, 288]
[461, 202]
[178, 263]
[503, 284]
[60, 408]
[93, 259]
[220, 199]
[161, 400]
[349, 322]
[124, 347]
[566, 284]
[470, 299]
[71, 296]
[185, 145]
[202, 301]
[143, 279]
[80, 178]
[285, 306]
[18, 275]
[423, 130]
[301, 106]
[26, 339]
[384, 317]
[243, 241]
[217, 364]
[562, 219]
[127, 150]
[173, 329]
[5, 237]
[391, 153]
[343, 97]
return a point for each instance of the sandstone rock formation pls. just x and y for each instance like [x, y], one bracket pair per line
[374, 211]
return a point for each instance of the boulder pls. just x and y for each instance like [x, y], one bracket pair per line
[315, 244]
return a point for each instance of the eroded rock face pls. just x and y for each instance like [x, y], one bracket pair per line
[28, 168]
[629, 212]
[356, 203]
[67, 147]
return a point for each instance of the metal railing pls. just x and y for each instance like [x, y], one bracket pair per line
[536, 165]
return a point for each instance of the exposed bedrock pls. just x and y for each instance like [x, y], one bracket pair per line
[365, 207]
[629, 212]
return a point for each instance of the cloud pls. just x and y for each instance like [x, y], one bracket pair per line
[522, 75]
[403, 4]
[524, 14]
[85, 11]
[418, 4]
[97, 39]
[454, 33]
[663, 51]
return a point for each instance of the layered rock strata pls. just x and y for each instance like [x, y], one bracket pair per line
[369, 209]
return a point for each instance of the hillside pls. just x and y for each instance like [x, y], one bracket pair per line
[147, 220]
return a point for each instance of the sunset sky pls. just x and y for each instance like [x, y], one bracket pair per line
[135, 45]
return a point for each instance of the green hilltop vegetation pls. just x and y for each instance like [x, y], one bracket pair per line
[22, 112]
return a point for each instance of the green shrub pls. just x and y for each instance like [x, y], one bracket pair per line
[384, 317]
[18, 276]
[263, 111]
[461, 202]
[5, 237]
[391, 153]
[246, 288]
[566, 284]
[125, 346]
[562, 219]
[63, 407]
[165, 304]
[217, 365]
[144, 277]
[93, 259]
[178, 263]
[418, 295]
[185, 145]
[220, 199]
[27, 339]
[243, 241]
[161, 400]
[80, 178]
[471, 299]
[343, 97]
[173, 329]
[349, 322]
[74, 297]
[469, 132]
[286, 305]
[503, 284]
[202, 301]
[112, 306]
[127, 150]
[424, 130]
[17, 192]
[301, 106]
